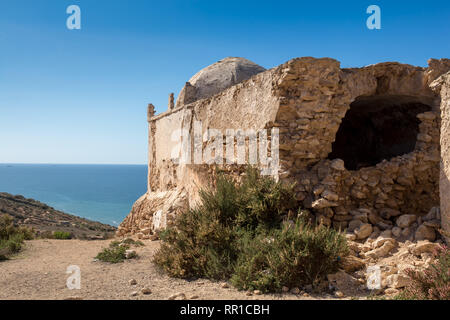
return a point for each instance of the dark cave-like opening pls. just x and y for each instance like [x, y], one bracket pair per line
[377, 128]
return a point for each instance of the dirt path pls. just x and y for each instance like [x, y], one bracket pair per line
[39, 272]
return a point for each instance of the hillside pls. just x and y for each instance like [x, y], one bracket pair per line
[43, 218]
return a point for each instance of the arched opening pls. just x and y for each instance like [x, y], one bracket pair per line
[377, 128]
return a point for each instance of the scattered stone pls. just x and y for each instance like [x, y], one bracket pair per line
[391, 291]
[363, 231]
[225, 285]
[373, 218]
[295, 290]
[406, 232]
[338, 164]
[388, 213]
[384, 224]
[351, 264]
[350, 237]
[432, 214]
[396, 232]
[132, 282]
[318, 190]
[362, 216]
[134, 294]
[436, 224]
[129, 254]
[381, 241]
[381, 251]
[354, 224]
[406, 220]
[179, 296]
[425, 233]
[194, 297]
[146, 291]
[423, 246]
[344, 282]
[375, 234]
[323, 203]
[397, 281]
[327, 194]
[387, 233]
[257, 292]
[339, 294]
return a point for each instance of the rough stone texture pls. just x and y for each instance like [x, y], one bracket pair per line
[442, 86]
[425, 233]
[313, 102]
[152, 212]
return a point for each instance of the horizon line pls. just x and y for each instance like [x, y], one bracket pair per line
[64, 163]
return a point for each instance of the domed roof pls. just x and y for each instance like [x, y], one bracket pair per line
[216, 78]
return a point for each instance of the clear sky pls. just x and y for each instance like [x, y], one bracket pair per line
[80, 96]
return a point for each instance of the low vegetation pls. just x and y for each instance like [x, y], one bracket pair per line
[253, 234]
[433, 283]
[58, 235]
[45, 219]
[118, 251]
[12, 237]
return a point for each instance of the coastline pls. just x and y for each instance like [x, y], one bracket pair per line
[44, 218]
[103, 193]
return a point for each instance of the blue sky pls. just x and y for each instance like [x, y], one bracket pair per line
[80, 96]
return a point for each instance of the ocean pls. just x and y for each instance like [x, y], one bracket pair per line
[103, 193]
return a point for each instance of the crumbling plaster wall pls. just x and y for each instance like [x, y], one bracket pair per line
[247, 105]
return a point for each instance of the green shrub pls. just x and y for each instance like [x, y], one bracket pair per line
[263, 202]
[61, 235]
[237, 232]
[201, 246]
[136, 243]
[11, 246]
[113, 254]
[116, 252]
[12, 237]
[7, 227]
[298, 254]
[294, 256]
[27, 233]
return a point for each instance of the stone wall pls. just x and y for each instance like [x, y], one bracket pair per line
[442, 86]
[309, 100]
[316, 95]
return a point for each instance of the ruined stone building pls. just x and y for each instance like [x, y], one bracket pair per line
[362, 144]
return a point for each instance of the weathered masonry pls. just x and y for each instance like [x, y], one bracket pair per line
[361, 142]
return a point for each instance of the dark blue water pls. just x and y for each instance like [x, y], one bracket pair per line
[102, 193]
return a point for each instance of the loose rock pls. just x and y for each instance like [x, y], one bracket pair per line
[425, 233]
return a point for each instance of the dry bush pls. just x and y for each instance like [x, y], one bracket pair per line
[237, 232]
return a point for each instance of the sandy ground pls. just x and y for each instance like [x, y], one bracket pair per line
[39, 272]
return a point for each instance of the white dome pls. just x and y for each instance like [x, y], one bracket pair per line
[216, 78]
